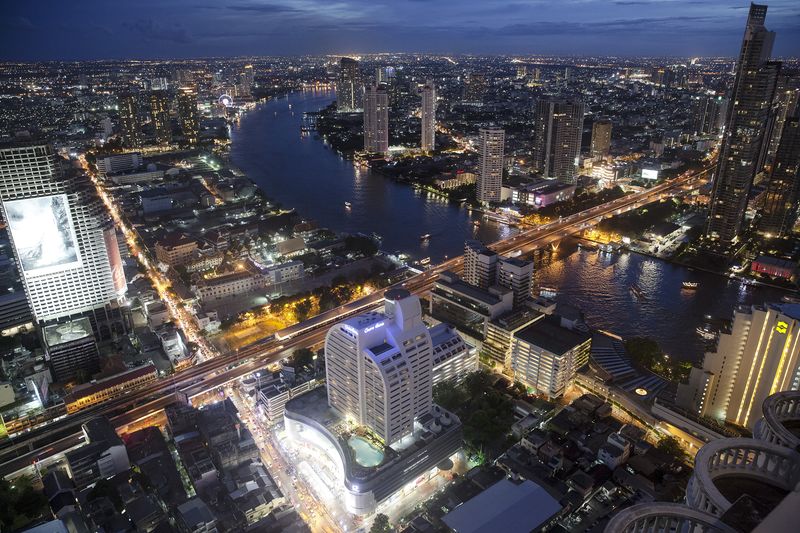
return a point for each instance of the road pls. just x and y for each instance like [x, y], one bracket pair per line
[23, 450]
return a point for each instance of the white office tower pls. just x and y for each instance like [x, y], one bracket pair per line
[480, 265]
[380, 367]
[490, 165]
[376, 119]
[63, 243]
[428, 117]
[547, 354]
[517, 275]
[759, 355]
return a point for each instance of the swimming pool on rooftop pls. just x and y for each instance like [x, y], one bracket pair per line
[366, 453]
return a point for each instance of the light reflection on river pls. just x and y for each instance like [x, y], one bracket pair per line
[303, 172]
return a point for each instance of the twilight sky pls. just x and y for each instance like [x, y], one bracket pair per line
[100, 29]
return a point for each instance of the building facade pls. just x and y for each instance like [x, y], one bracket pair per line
[376, 119]
[130, 123]
[491, 150]
[159, 114]
[753, 90]
[480, 265]
[428, 114]
[349, 86]
[57, 227]
[188, 115]
[758, 356]
[547, 354]
[558, 127]
[379, 367]
[779, 212]
[601, 138]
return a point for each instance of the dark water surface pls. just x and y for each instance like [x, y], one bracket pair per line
[301, 171]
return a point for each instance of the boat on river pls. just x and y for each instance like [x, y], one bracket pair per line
[691, 285]
[638, 292]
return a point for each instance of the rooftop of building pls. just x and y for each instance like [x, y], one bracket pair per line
[479, 247]
[101, 429]
[195, 512]
[67, 332]
[551, 336]
[505, 506]
[453, 282]
[174, 239]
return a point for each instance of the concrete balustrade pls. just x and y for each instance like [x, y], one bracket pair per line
[661, 517]
[778, 409]
[766, 462]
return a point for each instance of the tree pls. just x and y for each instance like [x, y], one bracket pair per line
[449, 395]
[670, 445]
[302, 309]
[381, 524]
[303, 357]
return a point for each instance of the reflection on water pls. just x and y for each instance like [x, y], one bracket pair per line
[600, 285]
[302, 172]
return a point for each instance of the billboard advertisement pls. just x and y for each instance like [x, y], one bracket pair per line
[43, 235]
[649, 174]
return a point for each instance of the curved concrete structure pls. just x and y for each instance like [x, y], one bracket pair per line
[662, 516]
[308, 419]
[748, 459]
[779, 410]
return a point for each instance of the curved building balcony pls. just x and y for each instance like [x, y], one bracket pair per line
[780, 423]
[726, 469]
[662, 516]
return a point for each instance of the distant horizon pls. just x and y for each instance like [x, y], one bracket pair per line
[95, 30]
[372, 55]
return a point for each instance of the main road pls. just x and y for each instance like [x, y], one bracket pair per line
[64, 434]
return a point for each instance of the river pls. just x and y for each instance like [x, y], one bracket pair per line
[301, 171]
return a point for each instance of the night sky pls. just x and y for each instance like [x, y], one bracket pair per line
[101, 29]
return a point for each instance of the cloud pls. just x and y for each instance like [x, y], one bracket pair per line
[150, 30]
[264, 8]
[628, 25]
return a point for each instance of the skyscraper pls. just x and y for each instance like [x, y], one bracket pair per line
[758, 356]
[428, 117]
[738, 163]
[779, 213]
[490, 164]
[187, 114]
[159, 111]
[557, 144]
[349, 87]
[708, 114]
[129, 120]
[601, 138]
[67, 253]
[247, 79]
[784, 105]
[376, 119]
[379, 367]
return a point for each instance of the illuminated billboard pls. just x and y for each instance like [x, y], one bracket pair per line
[43, 235]
[649, 174]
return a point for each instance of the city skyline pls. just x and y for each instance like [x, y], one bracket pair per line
[190, 29]
[406, 292]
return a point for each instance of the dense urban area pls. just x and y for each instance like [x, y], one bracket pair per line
[199, 334]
